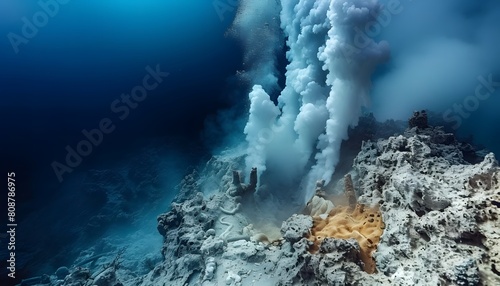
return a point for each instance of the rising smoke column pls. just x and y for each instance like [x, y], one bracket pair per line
[327, 84]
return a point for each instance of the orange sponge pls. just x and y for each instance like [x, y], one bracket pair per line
[361, 223]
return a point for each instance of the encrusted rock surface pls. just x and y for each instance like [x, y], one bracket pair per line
[440, 217]
[296, 227]
[440, 214]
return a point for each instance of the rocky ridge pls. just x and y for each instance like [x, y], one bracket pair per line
[440, 214]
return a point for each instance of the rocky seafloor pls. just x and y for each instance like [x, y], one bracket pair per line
[438, 202]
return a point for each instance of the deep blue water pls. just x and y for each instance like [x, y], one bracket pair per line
[70, 71]
[66, 77]
[67, 74]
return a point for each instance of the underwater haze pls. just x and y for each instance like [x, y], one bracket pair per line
[61, 73]
[109, 109]
[63, 76]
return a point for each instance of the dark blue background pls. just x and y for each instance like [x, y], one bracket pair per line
[65, 78]
[90, 52]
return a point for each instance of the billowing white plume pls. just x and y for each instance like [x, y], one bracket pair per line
[327, 84]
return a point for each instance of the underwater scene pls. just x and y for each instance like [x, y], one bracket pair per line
[250, 142]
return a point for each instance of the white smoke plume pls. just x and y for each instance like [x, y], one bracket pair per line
[327, 85]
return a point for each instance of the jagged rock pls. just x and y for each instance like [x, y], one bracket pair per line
[189, 186]
[349, 191]
[419, 120]
[429, 196]
[77, 277]
[106, 278]
[210, 266]
[466, 273]
[440, 215]
[169, 220]
[296, 227]
[240, 189]
[244, 250]
[62, 272]
[253, 179]
[349, 248]
[212, 246]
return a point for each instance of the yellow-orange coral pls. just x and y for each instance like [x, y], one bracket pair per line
[361, 223]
